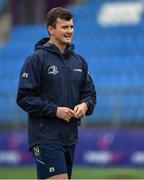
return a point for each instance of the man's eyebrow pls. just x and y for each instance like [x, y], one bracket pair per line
[67, 25]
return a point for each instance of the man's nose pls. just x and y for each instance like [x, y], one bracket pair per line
[70, 30]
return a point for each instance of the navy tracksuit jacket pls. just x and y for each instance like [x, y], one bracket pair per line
[49, 79]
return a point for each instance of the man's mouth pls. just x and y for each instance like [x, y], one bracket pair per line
[68, 37]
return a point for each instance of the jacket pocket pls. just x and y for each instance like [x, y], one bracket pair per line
[50, 128]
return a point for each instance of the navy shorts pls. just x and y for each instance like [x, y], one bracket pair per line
[53, 159]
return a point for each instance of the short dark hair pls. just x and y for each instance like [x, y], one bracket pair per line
[58, 12]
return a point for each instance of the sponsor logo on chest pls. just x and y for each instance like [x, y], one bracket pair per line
[78, 70]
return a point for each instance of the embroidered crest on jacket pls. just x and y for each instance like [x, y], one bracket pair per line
[52, 69]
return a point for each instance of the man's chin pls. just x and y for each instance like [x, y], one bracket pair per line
[67, 41]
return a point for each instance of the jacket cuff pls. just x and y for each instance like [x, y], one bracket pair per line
[50, 109]
[54, 110]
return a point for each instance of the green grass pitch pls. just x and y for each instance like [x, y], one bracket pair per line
[78, 173]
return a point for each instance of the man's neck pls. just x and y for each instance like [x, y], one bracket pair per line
[60, 46]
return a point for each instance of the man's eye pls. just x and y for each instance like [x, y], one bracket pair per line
[66, 27]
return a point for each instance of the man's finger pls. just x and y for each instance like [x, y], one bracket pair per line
[71, 113]
[79, 113]
[75, 108]
[67, 119]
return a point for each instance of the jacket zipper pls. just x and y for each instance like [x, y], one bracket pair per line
[66, 80]
[67, 98]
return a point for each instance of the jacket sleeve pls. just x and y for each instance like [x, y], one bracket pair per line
[28, 95]
[88, 92]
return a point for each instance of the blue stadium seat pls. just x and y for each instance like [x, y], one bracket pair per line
[114, 56]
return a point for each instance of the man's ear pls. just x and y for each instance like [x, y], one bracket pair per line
[50, 30]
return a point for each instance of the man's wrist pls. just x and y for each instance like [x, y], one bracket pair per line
[86, 106]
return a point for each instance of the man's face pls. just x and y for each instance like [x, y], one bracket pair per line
[63, 31]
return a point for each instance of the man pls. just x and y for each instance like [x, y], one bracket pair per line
[56, 91]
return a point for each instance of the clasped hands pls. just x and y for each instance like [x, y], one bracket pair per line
[66, 114]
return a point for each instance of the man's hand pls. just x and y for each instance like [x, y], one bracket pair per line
[80, 110]
[65, 113]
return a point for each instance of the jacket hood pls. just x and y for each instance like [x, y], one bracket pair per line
[43, 44]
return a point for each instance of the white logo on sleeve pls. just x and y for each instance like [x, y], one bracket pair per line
[52, 69]
[25, 75]
[51, 169]
[78, 70]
